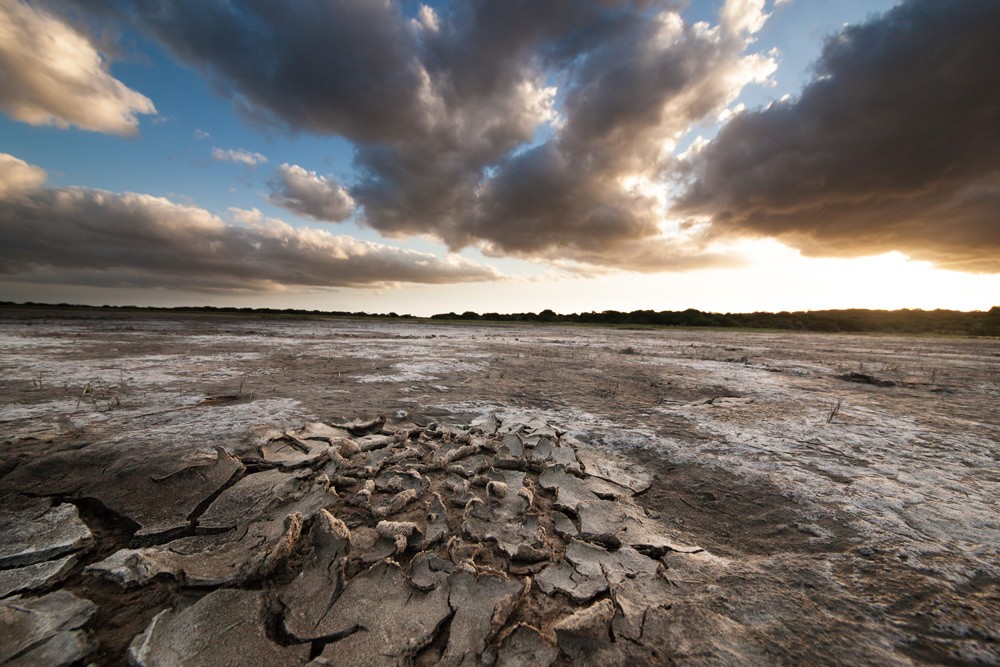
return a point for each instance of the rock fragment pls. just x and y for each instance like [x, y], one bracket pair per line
[226, 627]
[45, 630]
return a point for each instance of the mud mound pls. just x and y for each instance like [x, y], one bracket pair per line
[361, 543]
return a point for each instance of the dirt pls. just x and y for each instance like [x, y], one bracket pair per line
[881, 516]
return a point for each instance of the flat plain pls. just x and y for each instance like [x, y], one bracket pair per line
[843, 489]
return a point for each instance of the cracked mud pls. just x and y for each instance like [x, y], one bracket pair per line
[407, 494]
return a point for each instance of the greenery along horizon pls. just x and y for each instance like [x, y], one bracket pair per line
[974, 323]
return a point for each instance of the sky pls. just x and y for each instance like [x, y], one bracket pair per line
[578, 155]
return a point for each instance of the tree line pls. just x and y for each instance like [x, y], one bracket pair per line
[850, 320]
[854, 320]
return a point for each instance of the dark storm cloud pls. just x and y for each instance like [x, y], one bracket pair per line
[97, 237]
[640, 84]
[445, 109]
[636, 90]
[894, 146]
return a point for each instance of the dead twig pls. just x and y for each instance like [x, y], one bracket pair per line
[834, 412]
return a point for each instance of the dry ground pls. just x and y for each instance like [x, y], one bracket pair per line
[868, 531]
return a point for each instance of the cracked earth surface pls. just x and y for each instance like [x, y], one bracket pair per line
[210, 489]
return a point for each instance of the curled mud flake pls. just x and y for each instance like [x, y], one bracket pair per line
[436, 526]
[399, 532]
[321, 431]
[360, 428]
[496, 489]
[587, 631]
[310, 595]
[395, 481]
[459, 453]
[364, 494]
[347, 448]
[396, 503]
[563, 578]
[479, 481]
[371, 443]
[470, 467]
[564, 526]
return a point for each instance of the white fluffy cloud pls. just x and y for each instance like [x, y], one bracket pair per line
[96, 237]
[309, 194]
[238, 155]
[52, 74]
[17, 176]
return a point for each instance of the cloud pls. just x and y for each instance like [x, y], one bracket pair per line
[95, 237]
[893, 146]
[448, 108]
[241, 156]
[633, 84]
[306, 193]
[52, 74]
[17, 176]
